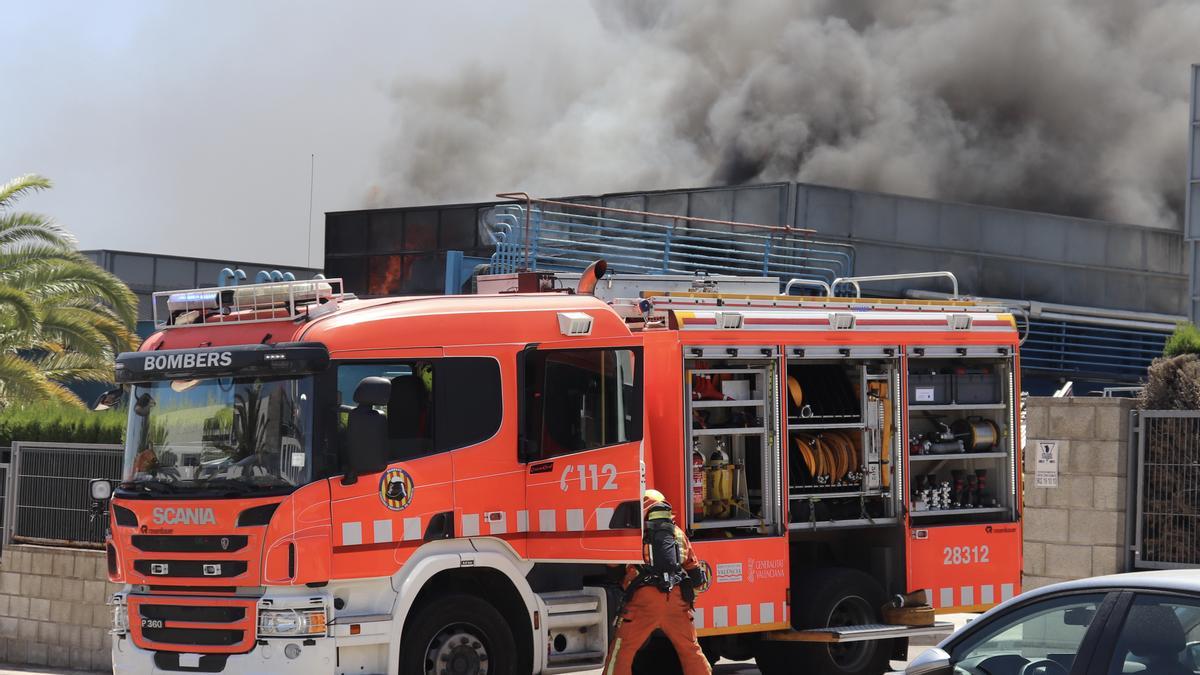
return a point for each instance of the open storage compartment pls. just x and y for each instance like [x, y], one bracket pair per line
[961, 443]
[842, 413]
[731, 395]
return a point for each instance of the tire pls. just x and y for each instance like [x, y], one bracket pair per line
[657, 657]
[464, 633]
[830, 597]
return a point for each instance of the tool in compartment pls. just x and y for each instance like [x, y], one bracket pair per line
[879, 391]
[977, 434]
[719, 477]
[699, 484]
[940, 441]
[826, 459]
[821, 391]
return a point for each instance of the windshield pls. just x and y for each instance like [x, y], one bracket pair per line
[232, 435]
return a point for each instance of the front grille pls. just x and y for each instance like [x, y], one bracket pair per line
[224, 614]
[179, 624]
[203, 544]
[190, 568]
[192, 589]
[201, 637]
[209, 663]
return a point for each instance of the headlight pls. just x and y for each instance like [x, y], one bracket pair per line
[120, 615]
[291, 622]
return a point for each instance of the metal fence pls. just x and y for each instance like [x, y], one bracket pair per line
[1165, 510]
[46, 492]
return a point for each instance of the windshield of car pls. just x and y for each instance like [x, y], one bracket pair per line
[229, 435]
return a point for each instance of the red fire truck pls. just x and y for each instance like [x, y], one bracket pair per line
[319, 483]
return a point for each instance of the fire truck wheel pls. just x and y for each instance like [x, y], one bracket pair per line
[839, 597]
[458, 635]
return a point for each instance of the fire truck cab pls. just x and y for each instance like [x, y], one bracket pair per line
[322, 483]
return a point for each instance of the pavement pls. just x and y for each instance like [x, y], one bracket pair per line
[725, 667]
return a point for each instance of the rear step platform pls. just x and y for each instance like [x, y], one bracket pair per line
[873, 631]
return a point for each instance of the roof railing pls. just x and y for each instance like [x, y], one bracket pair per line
[855, 281]
[248, 303]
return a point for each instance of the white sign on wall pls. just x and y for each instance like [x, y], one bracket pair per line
[1046, 467]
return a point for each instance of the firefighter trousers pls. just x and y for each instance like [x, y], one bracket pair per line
[648, 609]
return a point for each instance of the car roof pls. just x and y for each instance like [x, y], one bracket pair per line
[1160, 580]
[1186, 581]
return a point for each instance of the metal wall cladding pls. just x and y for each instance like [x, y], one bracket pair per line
[994, 251]
[1002, 252]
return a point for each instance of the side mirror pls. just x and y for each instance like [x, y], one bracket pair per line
[366, 429]
[109, 399]
[932, 661]
[101, 489]
[143, 404]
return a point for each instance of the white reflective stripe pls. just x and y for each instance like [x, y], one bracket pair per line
[604, 517]
[412, 528]
[743, 615]
[498, 525]
[575, 520]
[546, 520]
[766, 612]
[698, 617]
[987, 594]
[720, 617]
[1006, 592]
[522, 521]
[930, 597]
[968, 595]
[382, 531]
[351, 534]
[947, 599]
[470, 525]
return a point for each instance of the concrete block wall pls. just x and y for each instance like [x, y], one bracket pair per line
[1077, 529]
[52, 608]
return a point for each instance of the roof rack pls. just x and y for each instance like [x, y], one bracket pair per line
[249, 303]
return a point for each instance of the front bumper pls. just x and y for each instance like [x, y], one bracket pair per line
[320, 657]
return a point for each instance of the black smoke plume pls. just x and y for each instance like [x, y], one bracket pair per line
[1068, 106]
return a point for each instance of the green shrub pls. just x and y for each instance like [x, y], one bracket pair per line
[63, 424]
[1185, 340]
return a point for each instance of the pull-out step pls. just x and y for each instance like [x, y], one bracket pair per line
[874, 631]
[575, 628]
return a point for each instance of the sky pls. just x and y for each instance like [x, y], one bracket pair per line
[188, 128]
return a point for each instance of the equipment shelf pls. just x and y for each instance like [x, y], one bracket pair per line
[735, 468]
[958, 455]
[821, 427]
[731, 431]
[958, 512]
[805, 496]
[727, 523]
[729, 404]
[809, 525]
[959, 406]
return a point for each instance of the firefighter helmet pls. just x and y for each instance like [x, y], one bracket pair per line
[653, 498]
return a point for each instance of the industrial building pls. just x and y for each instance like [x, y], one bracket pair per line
[1098, 298]
[146, 273]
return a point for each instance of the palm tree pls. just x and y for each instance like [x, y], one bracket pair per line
[63, 319]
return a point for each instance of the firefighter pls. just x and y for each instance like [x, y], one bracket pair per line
[659, 594]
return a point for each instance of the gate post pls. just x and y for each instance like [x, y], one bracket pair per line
[1133, 491]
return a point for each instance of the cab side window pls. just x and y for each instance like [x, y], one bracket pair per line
[1046, 630]
[1161, 635]
[580, 399]
[435, 404]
